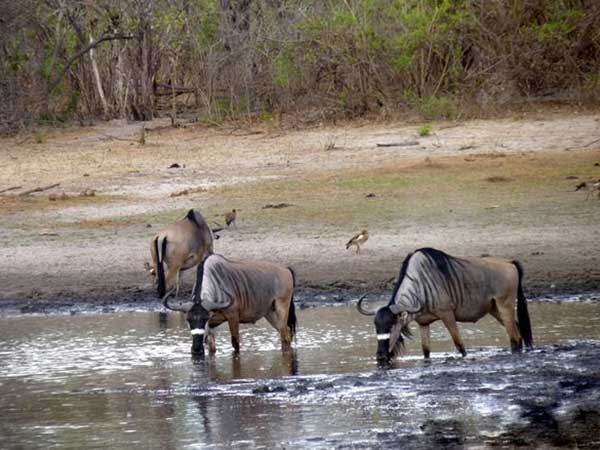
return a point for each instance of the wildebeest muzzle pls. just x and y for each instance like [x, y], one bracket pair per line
[197, 319]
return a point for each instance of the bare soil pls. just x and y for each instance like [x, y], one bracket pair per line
[505, 187]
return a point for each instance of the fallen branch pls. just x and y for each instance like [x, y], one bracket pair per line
[591, 143]
[108, 136]
[399, 144]
[10, 189]
[39, 189]
[187, 192]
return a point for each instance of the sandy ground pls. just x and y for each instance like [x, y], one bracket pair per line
[428, 191]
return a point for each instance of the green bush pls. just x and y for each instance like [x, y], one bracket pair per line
[424, 130]
[437, 108]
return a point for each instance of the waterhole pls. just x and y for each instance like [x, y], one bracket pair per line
[126, 380]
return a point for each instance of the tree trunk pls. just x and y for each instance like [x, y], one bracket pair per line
[235, 22]
[98, 80]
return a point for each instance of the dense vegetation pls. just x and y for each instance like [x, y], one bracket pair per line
[66, 59]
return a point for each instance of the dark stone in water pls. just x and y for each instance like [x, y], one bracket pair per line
[266, 389]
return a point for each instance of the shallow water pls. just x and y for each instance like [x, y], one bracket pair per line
[126, 379]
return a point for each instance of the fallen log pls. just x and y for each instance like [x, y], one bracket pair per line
[13, 188]
[399, 144]
[39, 189]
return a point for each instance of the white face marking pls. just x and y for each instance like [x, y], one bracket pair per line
[383, 337]
[196, 331]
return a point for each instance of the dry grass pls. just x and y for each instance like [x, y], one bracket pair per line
[442, 190]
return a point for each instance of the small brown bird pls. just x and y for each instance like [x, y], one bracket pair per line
[360, 238]
[230, 218]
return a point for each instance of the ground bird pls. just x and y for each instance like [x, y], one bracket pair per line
[360, 238]
[592, 188]
[230, 217]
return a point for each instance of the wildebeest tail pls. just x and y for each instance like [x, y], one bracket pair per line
[160, 269]
[522, 312]
[292, 321]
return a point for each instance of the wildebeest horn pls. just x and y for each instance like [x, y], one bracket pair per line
[360, 308]
[183, 307]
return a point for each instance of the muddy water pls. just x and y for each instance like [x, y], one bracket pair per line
[126, 381]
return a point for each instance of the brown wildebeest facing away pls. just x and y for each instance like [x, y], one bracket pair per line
[239, 292]
[180, 246]
[433, 285]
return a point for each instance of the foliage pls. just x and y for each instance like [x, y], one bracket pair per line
[424, 130]
[250, 57]
[40, 135]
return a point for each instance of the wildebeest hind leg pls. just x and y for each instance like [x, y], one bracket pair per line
[277, 317]
[496, 314]
[508, 319]
[172, 278]
[450, 323]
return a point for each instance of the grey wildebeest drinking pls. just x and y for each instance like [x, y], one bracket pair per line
[433, 285]
[238, 292]
[180, 246]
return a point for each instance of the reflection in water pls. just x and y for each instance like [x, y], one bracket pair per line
[124, 380]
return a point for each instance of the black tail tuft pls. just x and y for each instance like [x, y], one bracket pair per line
[292, 321]
[160, 269]
[522, 312]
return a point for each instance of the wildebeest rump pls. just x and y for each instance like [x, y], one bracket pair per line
[180, 246]
[239, 292]
[433, 285]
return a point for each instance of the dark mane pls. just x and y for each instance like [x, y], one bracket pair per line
[199, 278]
[450, 268]
[192, 217]
[443, 261]
[403, 270]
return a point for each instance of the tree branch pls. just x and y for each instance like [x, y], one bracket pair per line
[83, 51]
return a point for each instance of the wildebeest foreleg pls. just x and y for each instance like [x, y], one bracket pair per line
[210, 342]
[425, 340]
[450, 323]
[234, 329]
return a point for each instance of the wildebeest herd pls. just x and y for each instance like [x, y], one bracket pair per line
[431, 286]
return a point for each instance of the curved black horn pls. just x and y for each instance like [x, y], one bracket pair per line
[182, 307]
[360, 308]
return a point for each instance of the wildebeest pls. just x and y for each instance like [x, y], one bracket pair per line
[180, 246]
[238, 292]
[433, 285]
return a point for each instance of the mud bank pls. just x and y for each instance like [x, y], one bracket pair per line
[502, 187]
